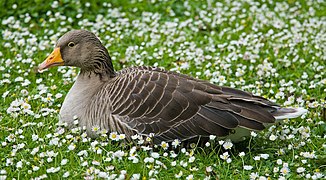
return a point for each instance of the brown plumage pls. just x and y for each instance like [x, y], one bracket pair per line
[144, 100]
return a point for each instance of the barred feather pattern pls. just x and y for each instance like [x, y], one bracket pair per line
[147, 100]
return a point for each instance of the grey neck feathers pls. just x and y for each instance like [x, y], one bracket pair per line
[101, 64]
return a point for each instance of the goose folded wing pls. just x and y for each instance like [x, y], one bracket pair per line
[177, 107]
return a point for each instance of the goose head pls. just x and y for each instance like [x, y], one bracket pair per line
[82, 49]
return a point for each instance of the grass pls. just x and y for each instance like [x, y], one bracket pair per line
[275, 49]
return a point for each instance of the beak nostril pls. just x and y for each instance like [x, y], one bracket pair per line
[54, 59]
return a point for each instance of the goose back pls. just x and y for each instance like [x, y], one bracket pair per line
[148, 100]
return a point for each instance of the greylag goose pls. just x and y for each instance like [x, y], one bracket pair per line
[144, 100]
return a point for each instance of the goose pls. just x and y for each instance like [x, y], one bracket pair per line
[148, 100]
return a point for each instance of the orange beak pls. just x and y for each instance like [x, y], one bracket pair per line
[54, 59]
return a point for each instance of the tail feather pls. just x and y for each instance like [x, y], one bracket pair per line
[284, 113]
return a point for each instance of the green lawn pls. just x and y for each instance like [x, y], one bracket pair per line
[273, 49]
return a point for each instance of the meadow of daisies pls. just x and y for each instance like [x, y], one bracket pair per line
[273, 49]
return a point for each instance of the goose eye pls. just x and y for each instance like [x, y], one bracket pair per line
[71, 44]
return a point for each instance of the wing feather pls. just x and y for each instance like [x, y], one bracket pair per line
[175, 106]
